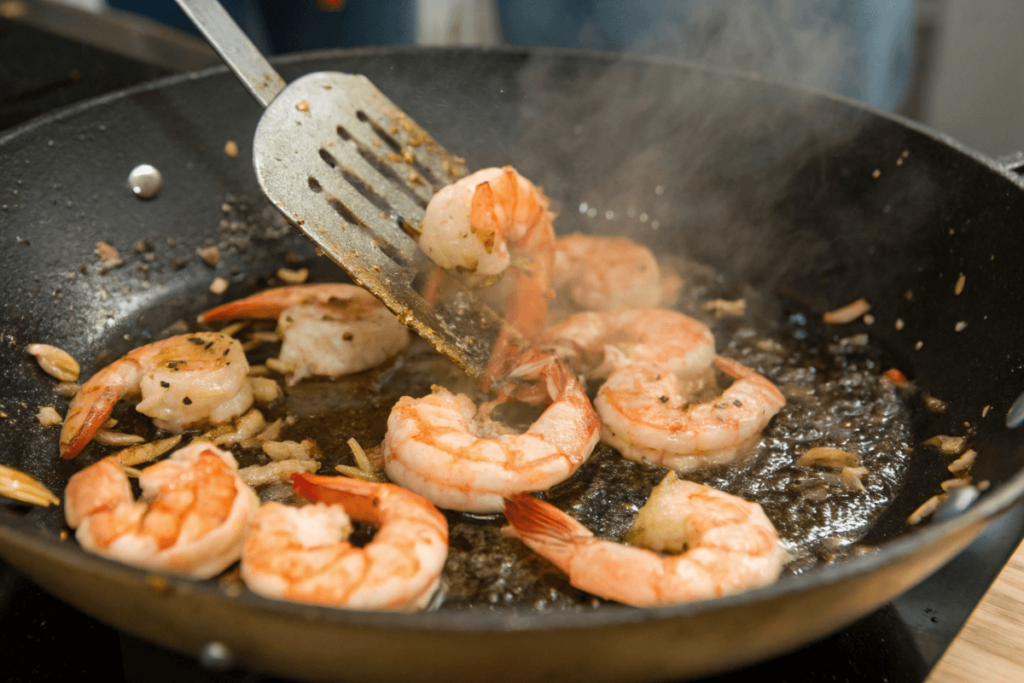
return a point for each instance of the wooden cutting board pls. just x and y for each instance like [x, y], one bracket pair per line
[990, 646]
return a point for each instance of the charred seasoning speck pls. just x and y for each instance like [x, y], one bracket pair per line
[187, 401]
[165, 385]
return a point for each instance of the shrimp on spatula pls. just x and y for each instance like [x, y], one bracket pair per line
[326, 330]
[352, 171]
[723, 545]
[302, 553]
[191, 519]
[185, 381]
[494, 221]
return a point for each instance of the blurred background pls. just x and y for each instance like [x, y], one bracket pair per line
[951, 64]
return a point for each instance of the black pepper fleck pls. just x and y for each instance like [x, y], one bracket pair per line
[187, 401]
[165, 384]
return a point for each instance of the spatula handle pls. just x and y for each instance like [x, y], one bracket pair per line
[235, 48]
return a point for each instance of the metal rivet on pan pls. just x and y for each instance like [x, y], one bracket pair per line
[959, 499]
[145, 181]
[215, 656]
[1015, 418]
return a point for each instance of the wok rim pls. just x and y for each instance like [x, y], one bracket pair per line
[15, 530]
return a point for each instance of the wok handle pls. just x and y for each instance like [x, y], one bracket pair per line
[235, 48]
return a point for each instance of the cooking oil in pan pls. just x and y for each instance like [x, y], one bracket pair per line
[836, 396]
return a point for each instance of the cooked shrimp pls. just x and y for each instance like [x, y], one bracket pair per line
[485, 222]
[727, 544]
[647, 414]
[302, 554]
[326, 330]
[185, 381]
[607, 273]
[602, 342]
[191, 519]
[443, 448]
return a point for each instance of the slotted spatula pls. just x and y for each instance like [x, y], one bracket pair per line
[354, 173]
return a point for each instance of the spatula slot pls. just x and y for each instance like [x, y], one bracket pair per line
[382, 167]
[408, 156]
[326, 156]
[425, 285]
[343, 210]
[381, 133]
[380, 242]
[371, 195]
[428, 175]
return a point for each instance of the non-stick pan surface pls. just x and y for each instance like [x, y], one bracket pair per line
[794, 192]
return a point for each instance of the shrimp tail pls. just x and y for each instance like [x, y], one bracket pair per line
[506, 350]
[493, 207]
[505, 375]
[88, 412]
[495, 211]
[265, 305]
[483, 216]
[550, 374]
[533, 376]
[545, 528]
[359, 498]
[269, 304]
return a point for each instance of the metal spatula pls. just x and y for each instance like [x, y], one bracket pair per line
[354, 173]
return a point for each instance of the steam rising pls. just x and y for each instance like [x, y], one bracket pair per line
[707, 154]
[790, 40]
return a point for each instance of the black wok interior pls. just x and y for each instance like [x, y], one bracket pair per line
[811, 199]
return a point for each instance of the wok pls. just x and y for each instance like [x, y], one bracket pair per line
[769, 183]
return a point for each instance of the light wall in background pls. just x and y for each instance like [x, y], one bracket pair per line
[976, 89]
[458, 22]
